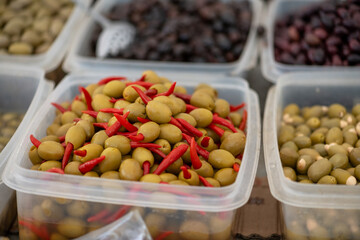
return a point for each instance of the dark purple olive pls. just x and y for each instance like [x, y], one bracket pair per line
[287, 58]
[312, 39]
[316, 56]
[320, 33]
[293, 33]
[341, 31]
[354, 45]
[336, 60]
[353, 59]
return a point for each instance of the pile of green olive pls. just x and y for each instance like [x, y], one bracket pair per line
[8, 125]
[30, 26]
[320, 144]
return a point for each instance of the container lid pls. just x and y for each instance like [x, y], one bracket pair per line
[18, 176]
[328, 87]
[75, 62]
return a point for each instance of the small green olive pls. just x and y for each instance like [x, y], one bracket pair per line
[78, 106]
[153, 178]
[114, 89]
[336, 111]
[171, 133]
[130, 169]
[158, 112]
[327, 179]
[222, 107]
[292, 109]
[51, 150]
[226, 176]
[201, 99]
[192, 229]
[167, 177]
[120, 142]
[288, 157]
[343, 177]
[101, 101]
[99, 138]
[234, 143]
[112, 160]
[92, 151]
[334, 135]
[206, 170]
[303, 163]
[129, 93]
[136, 110]
[202, 116]
[73, 168]
[78, 209]
[220, 158]
[289, 173]
[71, 227]
[110, 175]
[143, 155]
[150, 131]
[49, 164]
[68, 117]
[75, 135]
[187, 117]
[319, 169]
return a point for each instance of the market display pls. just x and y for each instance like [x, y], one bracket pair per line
[325, 33]
[30, 26]
[184, 31]
[320, 144]
[9, 123]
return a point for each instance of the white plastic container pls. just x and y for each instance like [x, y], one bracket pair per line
[22, 90]
[172, 203]
[309, 209]
[53, 56]
[271, 69]
[79, 59]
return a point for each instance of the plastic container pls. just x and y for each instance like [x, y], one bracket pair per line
[53, 56]
[172, 204]
[309, 210]
[80, 59]
[271, 69]
[22, 90]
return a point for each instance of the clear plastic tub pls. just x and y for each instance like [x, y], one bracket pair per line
[172, 204]
[22, 90]
[53, 56]
[79, 59]
[311, 210]
[271, 69]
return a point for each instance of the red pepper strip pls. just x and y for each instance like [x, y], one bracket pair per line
[183, 96]
[89, 165]
[81, 153]
[243, 121]
[163, 182]
[109, 79]
[236, 167]
[63, 144]
[113, 100]
[186, 173]
[142, 95]
[158, 152]
[86, 143]
[40, 232]
[110, 131]
[190, 128]
[99, 216]
[219, 131]
[187, 166]
[202, 152]
[68, 149]
[112, 110]
[175, 122]
[118, 214]
[76, 120]
[146, 85]
[168, 92]
[195, 160]
[174, 155]
[125, 123]
[87, 98]
[146, 167]
[91, 113]
[143, 120]
[205, 142]
[223, 122]
[142, 78]
[238, 107]
[34, 141]
[77, 97]
[144, 145]
[151, 92]
[190, 107]
[56, 170]
[62, 138]
[205, 182]
[101, 125]
[164, 235]
[127, 134]
[59, 107]
[137, 138]
[240, 156]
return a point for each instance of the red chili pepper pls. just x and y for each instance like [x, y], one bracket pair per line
[187, 166]
[59, 107]
[142, 95]
[158, 152]
[238, 107]
[109, 79]
[125, 123]
[34, 141]
[77, 97]
[236, 167]
[127, 134]
[40, 232]
[110, 131]
[137, 138]
[112, 110]
[168, 92]
[144, 145]
[81, 153]
[185, 171]
[202, 152]
[62, 138]
[205, 182]
[69, 107]
[114, 100]
[146, 167]
[151, 92]
[183, 96]
[240, 156]
[63, 144]
[68, 149]
[205, 142]
[143, 120]
[143, 84]
[56, 170]
[164, 235]
[101, 125]
[89, 165]
[189, 108]
[174, 155]
[118, 214]
[87, 98]
[175, 122]
[223, 122]
[91, 113]
[219, 131]
[163, 182]
[243, 121]
[195, 160]
[99, 216]
[76, 120]
[190, 128]
[142, 78]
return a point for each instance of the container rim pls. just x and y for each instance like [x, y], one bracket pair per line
[272, 69]
[293, 193]
[74, 62]
[118, 191]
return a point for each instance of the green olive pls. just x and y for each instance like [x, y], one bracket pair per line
[289, 157]
[103, 117]
[334, 135]
[154, 223]
[302, 130]
[222, 107]
[302, 141]
[110, 175]
[73, 168]
[71, 227]
[130, 169]
[91, 174]
[313, 123]
[153, 178]
[226, 176]
[336, 111]
[355, 157]
[151, 76]
[136, 110]
[174, 168]
[160, 88]
[357, 172]
[114, 89]
[192, 229]
[289, 173]
[220, 228]
[171, 133]
[92, 151]
[180, 105]
[34, 156]
[317, 137]
[186, 157]
[320, 148]
[307, 181]
[78, 106]
[112, 160]
[120, 142]
[165, 146]
[289, 144]
[327, 179]
[61, 131]
[78, 209]
[303, 163]
[292, 109]
[168, 101]
[330, 123]
[101, 101]
[202, 99]
[51, 150]
[234, 143]
[286, 133]
[52, 129]
[339, 160]
[213, 181]
[99, 138]
[158, 112]
[343, 177]
[88, 128]
[193, 180]
[311, 152]
[68, 117]
[178, 182]
[75, 135]
[220, 158]
[88, 118]
[50, 138]
[356, 110]
[121, 104]
[129, 93]
[206, 170]
[143, 155]
[187, 117]
[319, 169]
[167, 177]
[350, 137]
[51, 210]
[211, 145]
[202, 116]
[150, 131]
